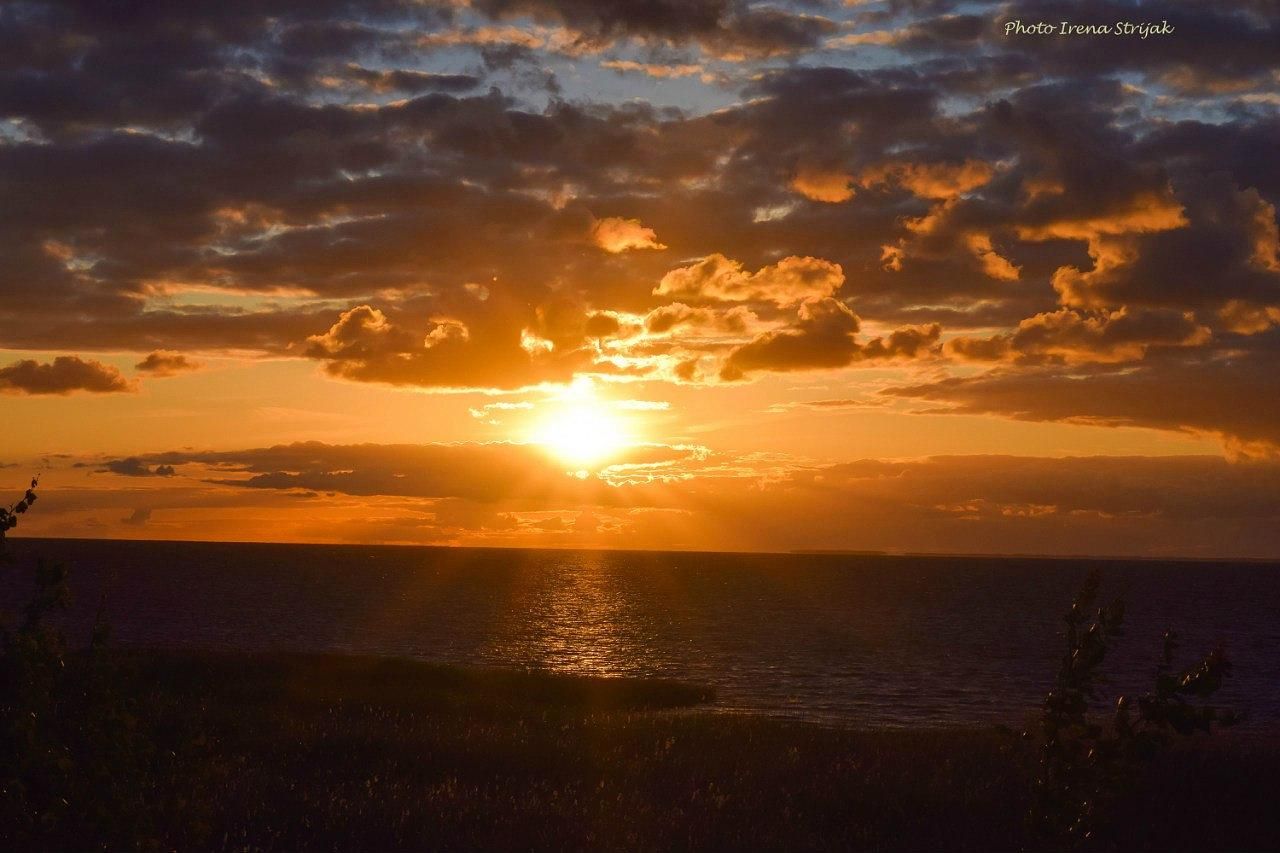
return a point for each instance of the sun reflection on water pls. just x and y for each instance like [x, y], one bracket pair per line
[578, 619]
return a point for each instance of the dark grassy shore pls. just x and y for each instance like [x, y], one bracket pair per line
[349, 753]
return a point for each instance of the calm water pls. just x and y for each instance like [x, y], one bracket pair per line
[863, 639]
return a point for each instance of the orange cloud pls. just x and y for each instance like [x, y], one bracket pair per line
[993, 263]
[788, 282]
[827, 185]
[652, 69]
[359, 331]
[931, 180]
[1145, 212]
[1248, 318]
[615, 234]
[668, 318]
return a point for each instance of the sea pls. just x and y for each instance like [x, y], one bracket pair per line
[865, 640]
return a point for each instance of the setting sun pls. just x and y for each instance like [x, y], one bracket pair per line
[581, 429]
[581, 432]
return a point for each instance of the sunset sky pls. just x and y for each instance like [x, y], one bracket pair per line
[797, 274]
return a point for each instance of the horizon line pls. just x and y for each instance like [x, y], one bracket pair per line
[794, 552]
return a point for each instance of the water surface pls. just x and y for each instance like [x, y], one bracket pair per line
[871, 640]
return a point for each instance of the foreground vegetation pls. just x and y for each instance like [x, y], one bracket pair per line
[370, 754]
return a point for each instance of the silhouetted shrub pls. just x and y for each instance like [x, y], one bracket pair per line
[1086, 765]
[80, 766]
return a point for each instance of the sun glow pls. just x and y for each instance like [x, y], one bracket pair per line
[580, 428]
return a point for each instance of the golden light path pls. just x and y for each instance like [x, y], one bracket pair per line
[580, 428]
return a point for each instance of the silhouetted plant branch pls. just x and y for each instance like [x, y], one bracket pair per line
[9, 515]
[1085, 765]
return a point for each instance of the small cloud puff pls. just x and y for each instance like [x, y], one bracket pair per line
[615, 234]
[165, 363]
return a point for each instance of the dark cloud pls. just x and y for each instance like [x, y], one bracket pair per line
[1242, 147]
[64, 375]
[317, 165]
[1170, 506]
[728, 28]
[477, 472]
[165, 363]
[1235, 394]
[1098, 505]
[1213, 47]
[364, 345]
[138, 517]
[408, 81]
[265, 331]
[135, 467]
[1227, 250]
[610, 18]
[1072, 336]
[823, 336]
[74, 66]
